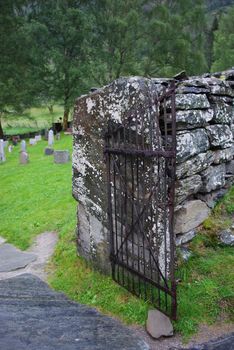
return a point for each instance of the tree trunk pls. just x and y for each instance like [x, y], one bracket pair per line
[65, 118]
[1, 130]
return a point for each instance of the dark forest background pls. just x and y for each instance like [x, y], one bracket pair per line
[54, 51]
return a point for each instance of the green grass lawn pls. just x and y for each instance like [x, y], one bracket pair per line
[33, 119]
[37, 198]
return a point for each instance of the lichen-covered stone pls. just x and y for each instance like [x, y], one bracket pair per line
[213, 178]
[192, 101]
[223, 155]
[211, 198]
[191, 143]
[186, 187]
[223, 109]
[220, 135]
[193, 118]
[230, 167]
[190, 215]
[195, 165]
[185, 238]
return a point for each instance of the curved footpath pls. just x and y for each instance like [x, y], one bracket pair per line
[34, 317]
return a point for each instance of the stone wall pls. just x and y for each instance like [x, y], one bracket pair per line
[205, 166]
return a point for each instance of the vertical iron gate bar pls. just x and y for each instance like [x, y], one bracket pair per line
[141, 159]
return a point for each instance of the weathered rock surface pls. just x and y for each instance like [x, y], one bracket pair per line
[34, 317]
[158, 324]
[211, 198]
[190, 215]
[230, 167]
[195, 164]
[192, 101]
[223, 155]
[193, 118]
[220, 135]
[213, 178]
[185, 238]
[186, 187]
[227, 237]
[191, 143]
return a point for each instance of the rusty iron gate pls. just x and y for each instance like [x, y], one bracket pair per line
[141, 156]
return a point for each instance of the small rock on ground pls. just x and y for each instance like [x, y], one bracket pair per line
[158, 324]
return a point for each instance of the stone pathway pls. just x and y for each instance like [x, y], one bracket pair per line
[34, 317]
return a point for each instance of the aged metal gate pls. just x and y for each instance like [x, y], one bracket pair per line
[140, 156]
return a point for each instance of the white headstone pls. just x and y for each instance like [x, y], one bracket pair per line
[24, 159]
[32, 142]
[10, 148]
[2, 154]
[23, 146]
[51, 138]
[38, 137]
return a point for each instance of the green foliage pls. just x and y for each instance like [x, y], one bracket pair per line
[175, 38]
[224, 42]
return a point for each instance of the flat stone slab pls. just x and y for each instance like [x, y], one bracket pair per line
[13, 259]
[33, 317]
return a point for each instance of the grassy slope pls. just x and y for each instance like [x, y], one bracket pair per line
[31, 120]
[37, 197]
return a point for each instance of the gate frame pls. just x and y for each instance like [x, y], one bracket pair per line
[168, 94]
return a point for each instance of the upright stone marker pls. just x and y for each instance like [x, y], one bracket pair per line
[49, 150]
[2, 153]
[24, 158]
[51, 138]
[23, 146]
[32, 142]
[38, 137]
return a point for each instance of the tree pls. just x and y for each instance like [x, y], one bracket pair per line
[117, 32]
[60, 29]
[175, 38]
[15, 74]
[224, 42]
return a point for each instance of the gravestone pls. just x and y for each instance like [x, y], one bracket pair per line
[57, 136]
[23, 146]
[32, 142]
[5, 143]
[38, 137]
[61, 157]
[24, 158]
[49, 151]
[10, 148]
[51, 138]
[2, 153]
